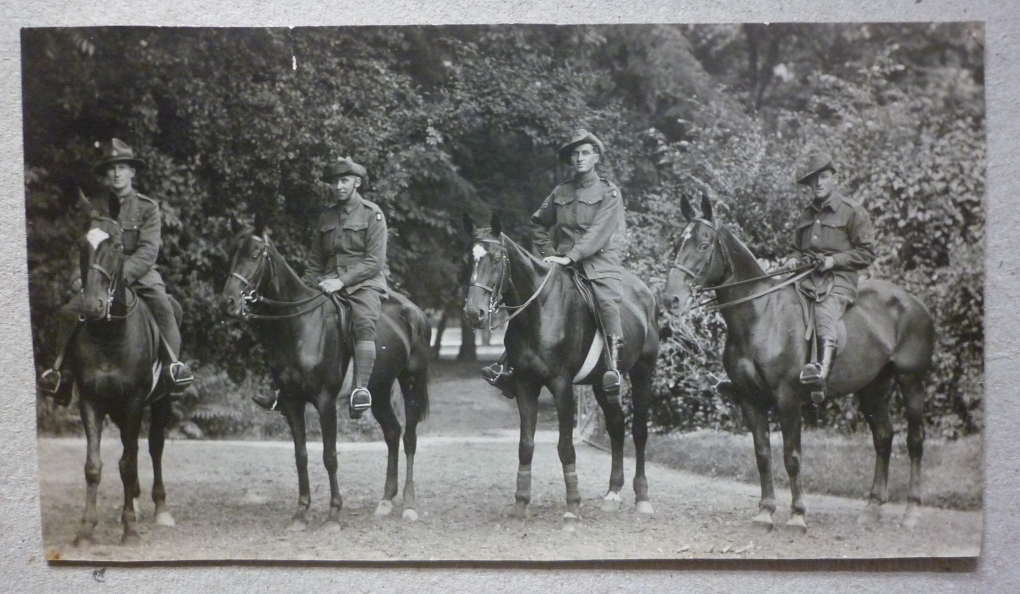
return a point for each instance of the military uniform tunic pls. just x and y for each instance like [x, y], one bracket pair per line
[350, 245]
[583, 219]
[839, 228]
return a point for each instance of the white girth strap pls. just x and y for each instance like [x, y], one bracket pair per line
[592, 359]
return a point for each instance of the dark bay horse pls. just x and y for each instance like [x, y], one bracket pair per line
[890, 339]
[308, 356]
[114, 356]
[548, 345]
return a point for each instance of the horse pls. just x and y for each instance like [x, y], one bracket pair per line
[308, 348]
[114, 355]
[547, 339]
[890, 338]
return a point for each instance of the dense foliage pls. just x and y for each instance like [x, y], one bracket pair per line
[464, 120]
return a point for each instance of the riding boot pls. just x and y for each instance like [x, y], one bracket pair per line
[828, 352]
[176, 373]
[500, 374]
[364, 361]
[267, 401]
[611, 378]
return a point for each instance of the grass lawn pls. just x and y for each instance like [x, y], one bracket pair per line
[834, 464]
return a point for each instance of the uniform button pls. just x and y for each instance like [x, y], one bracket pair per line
[815, 237]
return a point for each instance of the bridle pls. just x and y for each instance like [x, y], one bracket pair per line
[111, 290]
[496, 293]
[698, 285]
[249, 291]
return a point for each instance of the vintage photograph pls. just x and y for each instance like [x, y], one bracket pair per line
[507, 292]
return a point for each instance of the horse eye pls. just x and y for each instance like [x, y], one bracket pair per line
[703, 247]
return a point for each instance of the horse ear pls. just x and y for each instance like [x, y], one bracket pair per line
[497, 227]
[113, 207]
[235, 226]
[686, 209]
[84, 202]
[260, 223]
[469, 225]
[706, 207]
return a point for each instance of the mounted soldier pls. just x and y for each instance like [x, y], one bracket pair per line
[139, 217]
[834, 232]
[347, 259]
[579, 225]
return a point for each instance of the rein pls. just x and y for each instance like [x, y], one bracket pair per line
[250, 295]
[799, 273]
[496, 295]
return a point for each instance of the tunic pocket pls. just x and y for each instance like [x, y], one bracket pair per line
[327, 237]
[587, 207]
[353, 237]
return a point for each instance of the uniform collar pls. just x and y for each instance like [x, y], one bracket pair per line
[126, 197]
[351, 203]
[831, 203]
[586, 180]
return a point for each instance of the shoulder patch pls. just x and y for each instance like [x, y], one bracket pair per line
[378, 216]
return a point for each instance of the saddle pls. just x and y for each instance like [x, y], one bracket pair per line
[343, 311]
[598, 344]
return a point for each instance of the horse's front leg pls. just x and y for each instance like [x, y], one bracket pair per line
[293, 409]
[613, 414]
[129, 430]
[757, 417]
[527, 406]
[92, 420]
[326, 406]
[563, 395]
[790, 421]
[159, 416]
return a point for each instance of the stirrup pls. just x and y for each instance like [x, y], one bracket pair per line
[47, 384]
[811, 374]
[267, 402]
[361, 400]
[611, 384]
[499, 376]
[180, 377]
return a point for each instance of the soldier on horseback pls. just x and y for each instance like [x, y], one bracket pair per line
[139, 217]
[348, 258]
[576, 226]
[834, 232]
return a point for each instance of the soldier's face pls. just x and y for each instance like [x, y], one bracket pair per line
[584, 158]
[822, 184]
[346, 185]
[119, 176]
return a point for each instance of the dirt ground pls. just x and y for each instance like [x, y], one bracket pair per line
[233, 500]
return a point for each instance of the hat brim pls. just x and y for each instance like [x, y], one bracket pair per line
[101, 168]
[806, 179]
[567, 149]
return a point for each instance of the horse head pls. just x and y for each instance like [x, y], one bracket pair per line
[696, 263]
[102, 261]
[249, 255]
[488, 271]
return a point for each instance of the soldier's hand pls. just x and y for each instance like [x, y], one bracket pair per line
[561, 260]
[826, 263]
[791, 263]
[331, 285]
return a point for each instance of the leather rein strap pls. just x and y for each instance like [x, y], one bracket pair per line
[249, 292]
[496, 295]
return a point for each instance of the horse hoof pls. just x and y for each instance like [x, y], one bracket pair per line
[764, 520]
[331, 526]
[911, 517]
[870, 516]
[611, 502]
[298, 525]
[570, 521]
[384, 508]
[164, 518]
[796, 524]
[410, 515]
[644, 507]
[83, 541]
[520, 511]
[130, 540]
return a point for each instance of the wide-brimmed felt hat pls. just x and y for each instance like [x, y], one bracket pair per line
[817, 163]
[345, 166]
[580, 136]
[117, 151]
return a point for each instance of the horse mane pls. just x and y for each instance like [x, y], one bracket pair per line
[745, 255]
